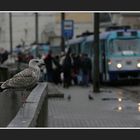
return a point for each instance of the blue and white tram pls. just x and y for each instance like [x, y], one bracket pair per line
[123, 55]
[119, 53]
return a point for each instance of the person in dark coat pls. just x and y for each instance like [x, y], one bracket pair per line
[75, 68]
[56, 70]
[67, 69]
[86, 69]
[48, 60]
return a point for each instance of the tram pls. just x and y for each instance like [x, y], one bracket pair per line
[119, 55]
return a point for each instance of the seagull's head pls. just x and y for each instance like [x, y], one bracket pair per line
[36, 62]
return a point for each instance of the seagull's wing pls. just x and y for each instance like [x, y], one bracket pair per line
[25, 73]
[23, 79]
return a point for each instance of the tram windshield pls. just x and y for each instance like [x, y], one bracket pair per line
[124, 46]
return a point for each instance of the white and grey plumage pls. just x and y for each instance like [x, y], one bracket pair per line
[26, 78]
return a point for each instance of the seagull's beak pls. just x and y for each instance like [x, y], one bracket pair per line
[41, 63]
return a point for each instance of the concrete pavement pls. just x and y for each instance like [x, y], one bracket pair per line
[109, 108]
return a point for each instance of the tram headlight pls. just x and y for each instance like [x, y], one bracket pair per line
[119, 65]
[138, 65]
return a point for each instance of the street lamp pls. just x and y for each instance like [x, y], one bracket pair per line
[62, 38]
[36, 27]
[96, 77]
[10, 32]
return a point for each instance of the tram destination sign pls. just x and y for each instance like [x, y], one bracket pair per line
[67, 29]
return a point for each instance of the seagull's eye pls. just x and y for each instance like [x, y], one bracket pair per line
[36, 61]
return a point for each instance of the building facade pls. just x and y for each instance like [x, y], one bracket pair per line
[49, 25]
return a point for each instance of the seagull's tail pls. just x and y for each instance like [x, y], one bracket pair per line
[1, 89]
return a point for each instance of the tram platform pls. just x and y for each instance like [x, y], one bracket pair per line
[81, 108]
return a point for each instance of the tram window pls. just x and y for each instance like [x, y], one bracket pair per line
[121, 45]
[79, 48]
[86, 48]
[74, 48]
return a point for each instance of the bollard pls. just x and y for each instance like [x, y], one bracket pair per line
[3, 73]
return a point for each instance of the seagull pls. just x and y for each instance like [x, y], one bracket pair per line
[25, 79]
[90, 97]
[69, 97]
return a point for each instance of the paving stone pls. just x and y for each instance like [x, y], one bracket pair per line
[81, 112]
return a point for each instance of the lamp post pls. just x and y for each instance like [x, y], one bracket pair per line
[62, 38]
[96, 75]
[36, 32]
[11, 33]
[36, 27]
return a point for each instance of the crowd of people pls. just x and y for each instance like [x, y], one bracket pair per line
[68, 69]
